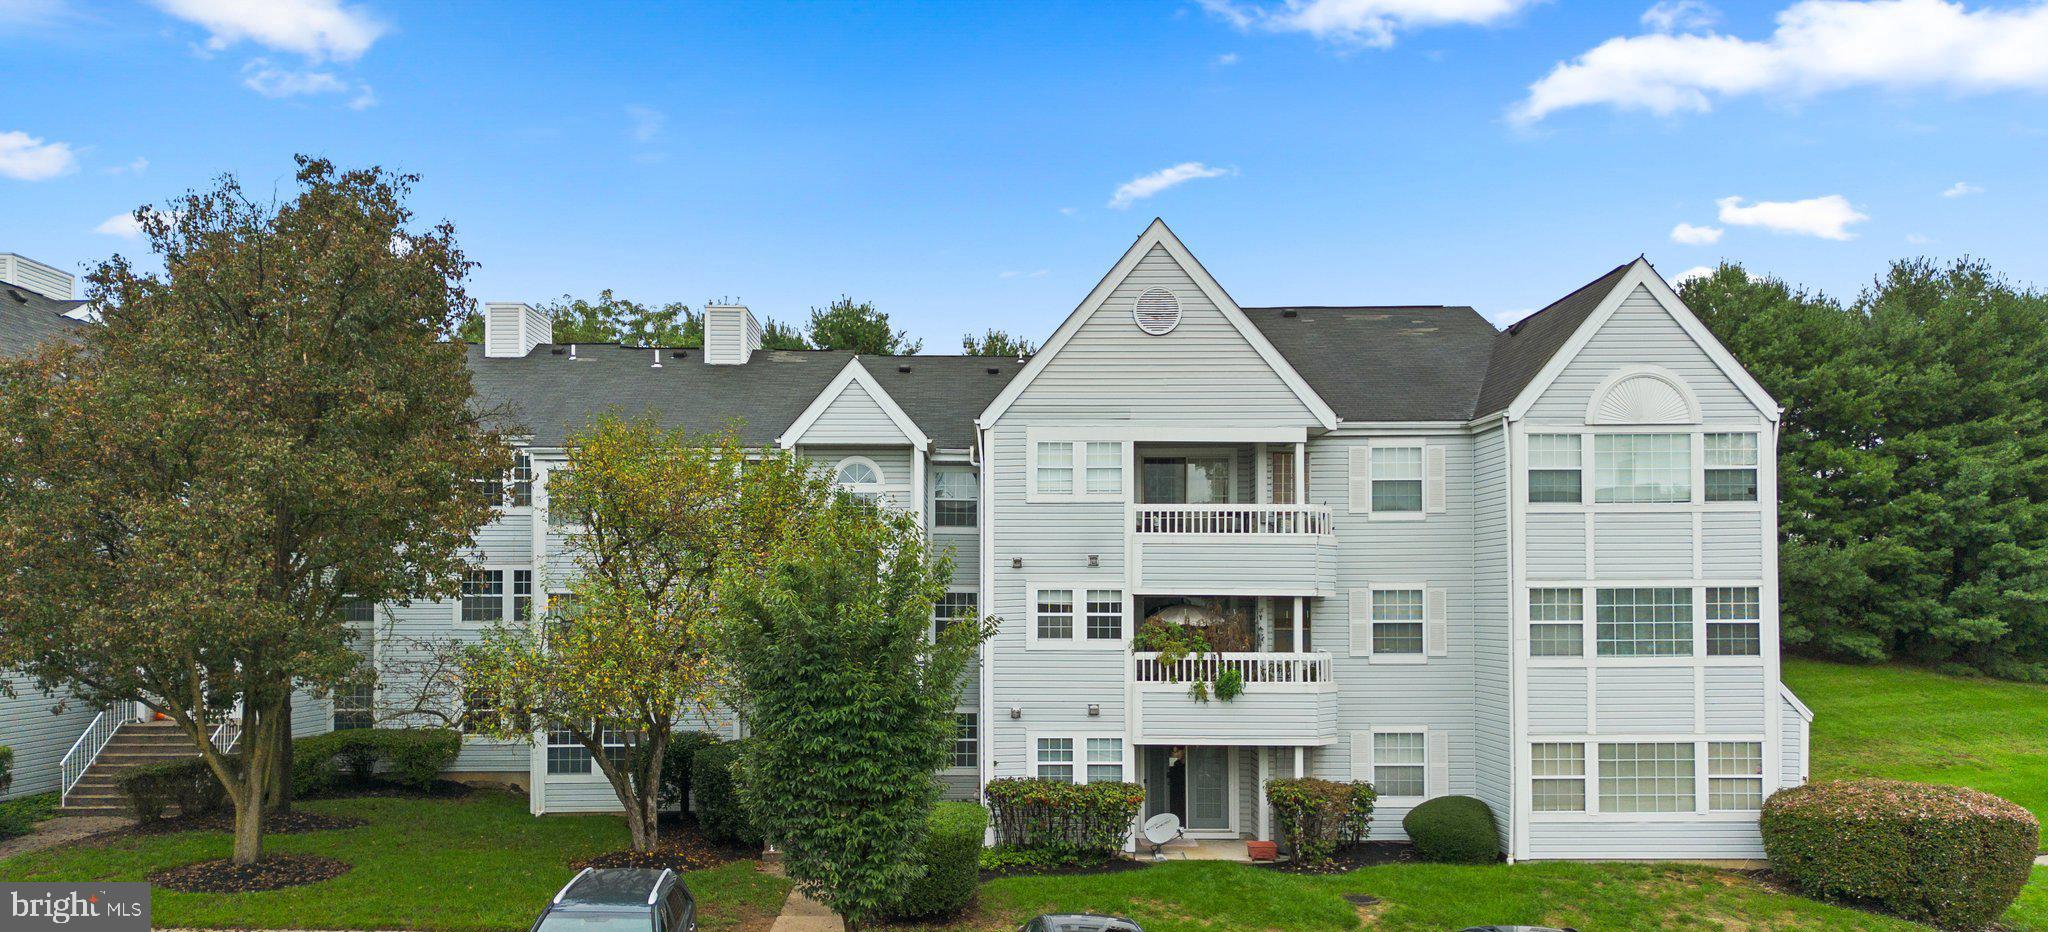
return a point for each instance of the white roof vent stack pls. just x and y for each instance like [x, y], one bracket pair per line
[512, 329]
[23, 272]
[731, 334]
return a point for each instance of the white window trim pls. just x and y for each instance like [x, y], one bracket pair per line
[956, 770]
[1080, 761]
[1080, 640]
[1079, 438]
[506, 593]
[1435, 761]
[1588, 464]
[595, 775]
[1406, 443]
[1435, 630]
[1589, 634]
[974, 528]
[1701, 810]
[879, 488]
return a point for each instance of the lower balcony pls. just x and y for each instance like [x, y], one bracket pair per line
[1287, 699]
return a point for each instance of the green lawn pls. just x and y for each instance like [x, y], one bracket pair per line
[480, 863]
[1908, 724]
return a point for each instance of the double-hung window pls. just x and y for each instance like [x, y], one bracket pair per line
[1557, 777]
[1055, 759]
[1734, 621]
[514, 489]
[1397, 479]
[1557, 622]
[1735, 776]
[1638, 468]
[355, 699]
[1400, 762]
[966, 752]
[1105, 760]
[479, 710]
[566, 755]
[1097, 759]
[953, 608]
[1062, 468]
[1105, 615]
[1397, 622]
[1077, 616]
[955, 499]
[1645, 622]
[1650, 777]
[1554, 468]
[1731, 463]
[485, 598]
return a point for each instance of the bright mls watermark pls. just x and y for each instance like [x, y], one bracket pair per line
[75, 907]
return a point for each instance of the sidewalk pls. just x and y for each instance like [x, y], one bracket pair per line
[800, 913]
[61, 830]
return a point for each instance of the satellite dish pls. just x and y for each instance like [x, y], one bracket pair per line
[1162, 828]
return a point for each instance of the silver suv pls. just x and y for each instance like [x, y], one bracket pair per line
[621, 900]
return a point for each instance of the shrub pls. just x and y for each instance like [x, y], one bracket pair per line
[721, 814]
[1453, 830]
[413, 757]
[1314, 816]
[676, 763]
[6, 767]
[187, 784]
[1942, 855]
[952, 863]
[1009, 859]
[19, 816]
[1093, 818]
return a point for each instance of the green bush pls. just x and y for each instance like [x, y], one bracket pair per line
[19, 816]
[1009, 859]
[6, 767]
[187, 784]
[721, 814]
[413, 757]
[1942, 855]
[1094, 818]
[952, 863]
[1314, 817]
[1453, 830]
[676, 763]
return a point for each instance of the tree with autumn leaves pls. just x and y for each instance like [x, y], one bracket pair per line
[267, 430]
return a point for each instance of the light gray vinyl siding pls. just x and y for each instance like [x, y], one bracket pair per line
[1267, 566]
[582, 794]
[1492, 632]
[1557, 546]
[1627, 545]
[1792, 744]
[1171, 716]
[1644, 700]
[854, 417]
[1642, 333]
[488, 755]
[1557, 700]
[959, 785]
[1607, 839]
[311, 715]
[1735, 699]
[40, 727]
[1731, 545]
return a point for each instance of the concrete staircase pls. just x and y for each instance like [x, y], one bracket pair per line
[135, 744]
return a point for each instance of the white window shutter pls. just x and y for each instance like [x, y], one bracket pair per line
[1361, 479]
[1433, 479]
[1361, 755]
[1438, 750]
[1361, 622]
[1436, 625]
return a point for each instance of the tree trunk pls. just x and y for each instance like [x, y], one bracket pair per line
[247, 791]
[277, 778]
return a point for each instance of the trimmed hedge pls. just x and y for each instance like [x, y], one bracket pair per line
[1093, 819]
[187, 784]
[413, 757]
[1315, 817]
[1453, 830]
[721, 814]
[1943, 855]
[952, 863]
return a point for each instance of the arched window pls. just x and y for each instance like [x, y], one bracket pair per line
[859, 477]
[1643, 395]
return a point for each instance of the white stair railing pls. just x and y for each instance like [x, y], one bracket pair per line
[226, 735]
[89, 745]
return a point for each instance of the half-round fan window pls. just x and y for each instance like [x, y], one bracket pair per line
[1158, 312]
[1644, 399]
[859, 477]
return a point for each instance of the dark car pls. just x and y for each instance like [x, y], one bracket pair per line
[1079, 922]
[621, 900]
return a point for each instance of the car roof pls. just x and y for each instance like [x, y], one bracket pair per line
[612, 887]
[1084, 922]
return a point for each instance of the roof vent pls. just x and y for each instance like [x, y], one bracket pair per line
[994, 371]
[903, 368]
[1158, 312]
[1290, 313]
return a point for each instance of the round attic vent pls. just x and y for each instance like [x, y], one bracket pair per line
[1158, 312]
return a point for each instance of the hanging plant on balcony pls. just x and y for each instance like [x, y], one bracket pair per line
[1229, 684]
[1175, 642]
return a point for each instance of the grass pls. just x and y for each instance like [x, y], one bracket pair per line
[479, 863]
[1908, 724]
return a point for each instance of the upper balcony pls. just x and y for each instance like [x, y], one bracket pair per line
[1288, 699]
[1232, 549]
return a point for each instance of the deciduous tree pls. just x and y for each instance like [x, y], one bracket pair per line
[996, 343]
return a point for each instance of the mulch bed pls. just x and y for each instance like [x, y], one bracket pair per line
[295, 822]
[1352, 857]
[1111, 866]
[442, 789]
[275, 872]
[676, 850]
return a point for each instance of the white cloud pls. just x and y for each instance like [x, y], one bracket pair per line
[1818, 46]
[124, 226]
[1371, 23]
[1504, 318]
[1917, 239]
[1144, 186]
[26, 14]
[1069, 211]
[26, 158]
[316, 29]
[135, 166]
[647, 122]
[1680, 16]
[1227, 58]
[1827, 217]
[265, 78]
[1695, 236]
[1697, 271]
[1960, 189]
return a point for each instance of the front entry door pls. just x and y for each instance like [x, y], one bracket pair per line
[1190, 782]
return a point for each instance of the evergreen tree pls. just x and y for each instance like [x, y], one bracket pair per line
[846, 325]
[996, 343]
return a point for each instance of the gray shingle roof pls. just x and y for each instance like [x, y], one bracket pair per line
[1527, 345]
[549, 395]
[28, 318]
[1384, 363]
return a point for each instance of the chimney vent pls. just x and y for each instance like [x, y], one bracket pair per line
[24, 272]
[731, 334]
[513, 329]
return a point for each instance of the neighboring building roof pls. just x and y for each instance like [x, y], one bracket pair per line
[549, 395]
[1385, 363]
[28, 318]
[1526, 346]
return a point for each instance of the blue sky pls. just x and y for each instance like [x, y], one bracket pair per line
[960, 164]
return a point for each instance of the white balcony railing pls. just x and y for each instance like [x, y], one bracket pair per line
[1257, 669]
[1243, 519]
